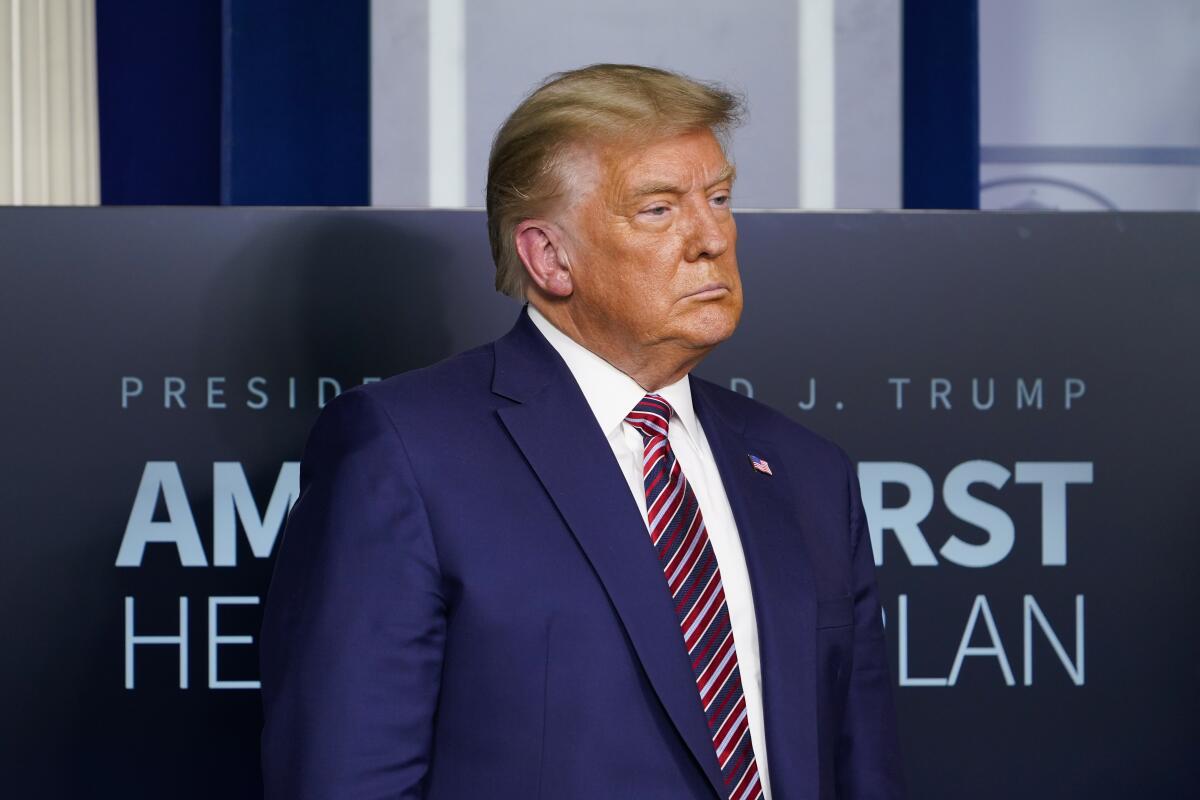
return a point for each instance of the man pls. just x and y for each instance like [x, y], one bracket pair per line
[558, 566]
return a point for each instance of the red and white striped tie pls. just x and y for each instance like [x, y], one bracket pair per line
[690, 568]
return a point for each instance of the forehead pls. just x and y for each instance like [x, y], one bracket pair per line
[669, 162]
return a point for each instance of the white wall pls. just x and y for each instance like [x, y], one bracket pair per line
[824, 121]
[1090, 103]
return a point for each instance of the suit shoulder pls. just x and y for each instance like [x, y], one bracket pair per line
[406, 408]
[455, 378]
[766, 422]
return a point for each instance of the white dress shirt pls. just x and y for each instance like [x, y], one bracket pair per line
[612, 394]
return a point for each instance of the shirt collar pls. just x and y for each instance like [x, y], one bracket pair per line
[610, 393]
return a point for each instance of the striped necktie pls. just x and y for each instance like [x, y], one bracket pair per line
[690, 568]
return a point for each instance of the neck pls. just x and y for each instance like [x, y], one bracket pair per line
[651, 366]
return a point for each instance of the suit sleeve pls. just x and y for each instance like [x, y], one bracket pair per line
[868, 752]
[354, 623]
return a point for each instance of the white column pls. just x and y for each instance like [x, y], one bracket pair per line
[447, 104]
[815, 64]
[8, 83]
[49, 132]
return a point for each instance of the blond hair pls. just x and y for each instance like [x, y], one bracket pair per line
[600, 103]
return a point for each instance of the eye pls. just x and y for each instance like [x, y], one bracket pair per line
[656, 211]
[722, 200]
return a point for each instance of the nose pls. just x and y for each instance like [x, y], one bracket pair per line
[707, 236]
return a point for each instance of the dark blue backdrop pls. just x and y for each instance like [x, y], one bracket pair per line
[164, 365]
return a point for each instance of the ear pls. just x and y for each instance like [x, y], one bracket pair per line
[539, 247]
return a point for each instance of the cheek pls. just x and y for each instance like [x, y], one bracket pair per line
[729, 262]
[646, 267]
[638, 276]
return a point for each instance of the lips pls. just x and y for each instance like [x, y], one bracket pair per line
[709, 289]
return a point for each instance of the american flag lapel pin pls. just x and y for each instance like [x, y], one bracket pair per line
[760, 464]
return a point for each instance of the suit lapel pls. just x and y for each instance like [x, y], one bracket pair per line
[557, 433]
[784, 599]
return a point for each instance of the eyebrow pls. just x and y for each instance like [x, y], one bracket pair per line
[727, 173]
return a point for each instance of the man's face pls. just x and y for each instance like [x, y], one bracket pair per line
[652, 246]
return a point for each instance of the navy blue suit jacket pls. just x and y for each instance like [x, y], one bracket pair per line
[466, 604]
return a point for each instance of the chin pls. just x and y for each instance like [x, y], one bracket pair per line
[708, 327]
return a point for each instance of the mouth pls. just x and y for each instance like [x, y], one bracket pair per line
[709, 291]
